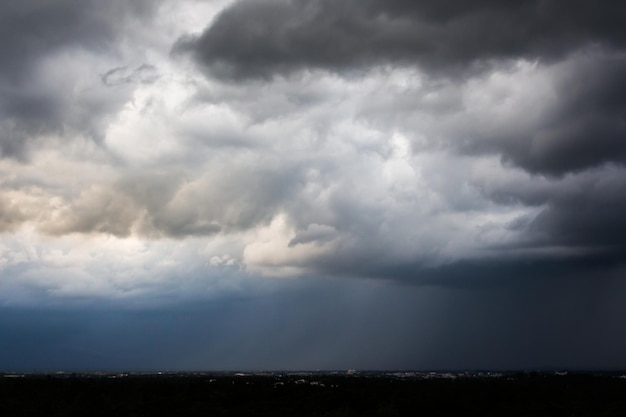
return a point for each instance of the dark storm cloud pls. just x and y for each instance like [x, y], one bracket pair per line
[586, 126]
[34, 30]
[583, 211]
[258, 39]
[549, 261]
[578, 230]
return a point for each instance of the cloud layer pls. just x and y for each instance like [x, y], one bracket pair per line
[412, 141]
[47, 54]
[254, 39]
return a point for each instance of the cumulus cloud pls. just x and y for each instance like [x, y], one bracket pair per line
[50, 56]
[579, 49]
[427, 142]
[560, 118]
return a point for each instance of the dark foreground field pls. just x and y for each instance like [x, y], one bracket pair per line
[311, 395]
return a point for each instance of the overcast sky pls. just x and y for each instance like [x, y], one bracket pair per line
[312, 184]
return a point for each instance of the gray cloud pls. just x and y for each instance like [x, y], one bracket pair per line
[233, 201]
[155, 205]
[32, 101]
[584, 128]
[583, 45]
[11, 216]
[586, 213]
[578, 227]
[258, 39]
[367, 175]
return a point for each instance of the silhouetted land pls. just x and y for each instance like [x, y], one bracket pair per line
[312, 394]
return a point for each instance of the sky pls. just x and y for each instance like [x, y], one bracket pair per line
[312, 184]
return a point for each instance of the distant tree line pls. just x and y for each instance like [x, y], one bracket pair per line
[321, 396]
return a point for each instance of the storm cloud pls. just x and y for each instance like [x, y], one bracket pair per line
[40, 96]
[400, 163]
[582, 127]
[259, 39]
